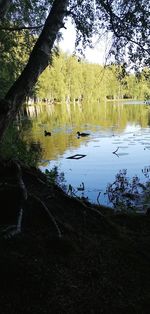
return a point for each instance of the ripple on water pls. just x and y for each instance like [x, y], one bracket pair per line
[117, 142]
[126, 140]
[122, 154]
[137, 139]
[132, 143]
[95, 140]
[145, 143]
[123, 147]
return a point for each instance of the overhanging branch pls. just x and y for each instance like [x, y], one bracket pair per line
[20, 28]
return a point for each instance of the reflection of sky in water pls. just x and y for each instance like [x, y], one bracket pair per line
[100, 165]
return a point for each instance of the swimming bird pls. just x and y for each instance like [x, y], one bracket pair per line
[47, 133]
[82, 134]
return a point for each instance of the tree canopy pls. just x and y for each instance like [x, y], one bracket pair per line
[67, 80]
[24, 22]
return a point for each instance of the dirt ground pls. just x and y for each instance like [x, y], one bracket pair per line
[70, 257]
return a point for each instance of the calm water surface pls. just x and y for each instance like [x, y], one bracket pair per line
[122, 126]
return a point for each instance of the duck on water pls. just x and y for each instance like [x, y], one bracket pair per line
[47, 133]
[82, 134]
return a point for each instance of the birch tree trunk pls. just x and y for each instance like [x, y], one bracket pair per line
[38, 61]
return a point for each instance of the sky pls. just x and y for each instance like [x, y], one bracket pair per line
[95, 55]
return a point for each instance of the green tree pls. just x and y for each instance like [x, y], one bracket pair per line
[45, 85]
[14, 52]
[58, 76]
[69, 78]
[73, 78]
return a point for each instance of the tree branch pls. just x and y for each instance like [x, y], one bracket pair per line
[19, 28]
[113, 17]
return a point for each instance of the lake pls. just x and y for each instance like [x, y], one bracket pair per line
[119, 138]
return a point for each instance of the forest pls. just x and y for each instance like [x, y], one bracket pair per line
[70, 79]
[61, 254]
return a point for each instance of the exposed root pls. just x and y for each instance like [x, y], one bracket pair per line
[7, 232]
[19, 221]
[20, 181]
[104, 219]
[35, 175]
[16, 170]
[85, 205]
[49, 213]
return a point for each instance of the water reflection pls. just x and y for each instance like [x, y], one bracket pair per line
[119, 139]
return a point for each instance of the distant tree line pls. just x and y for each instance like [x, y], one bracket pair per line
[69, 79]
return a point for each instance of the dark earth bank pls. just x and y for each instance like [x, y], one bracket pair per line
[61, 255]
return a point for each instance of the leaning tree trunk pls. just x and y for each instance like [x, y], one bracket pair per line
[38, 61]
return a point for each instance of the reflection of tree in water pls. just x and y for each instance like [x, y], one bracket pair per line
[128, 194]
[148, 119]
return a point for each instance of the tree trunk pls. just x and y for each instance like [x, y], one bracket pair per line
[38, 61]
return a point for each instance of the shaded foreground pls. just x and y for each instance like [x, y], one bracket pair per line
[70, 257]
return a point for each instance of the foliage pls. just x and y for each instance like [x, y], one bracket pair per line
[56, 177]
[16, 42]
[14, 147]
[68, 79]
[28, 12]
[126, 194]
[14, 53]
[127, 21]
